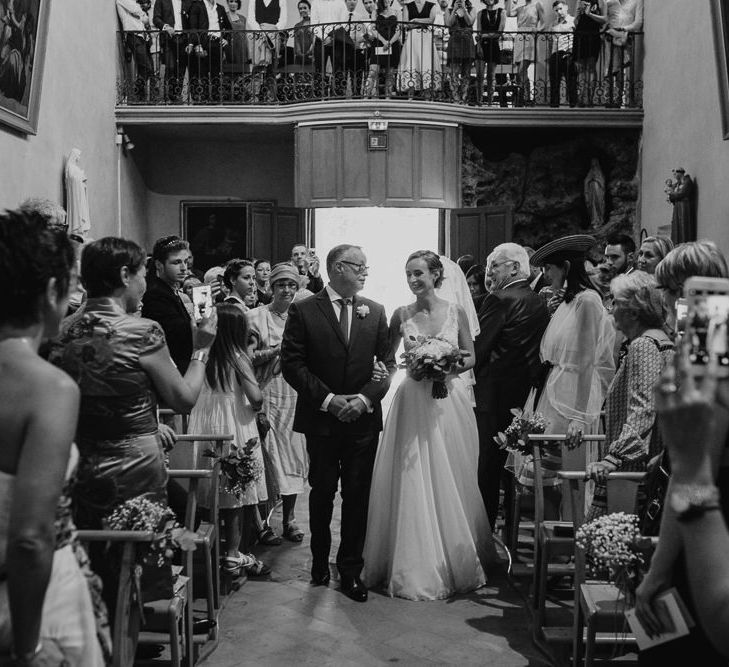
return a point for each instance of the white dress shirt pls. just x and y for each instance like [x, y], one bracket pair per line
[133, 18]
[177, 11]
[253, 24]
[334, 297]
[213, 19]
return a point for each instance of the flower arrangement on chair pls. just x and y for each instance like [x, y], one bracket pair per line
[524, 423]
[432, 358]
[239, 467]
[140, 513]
[614, 549]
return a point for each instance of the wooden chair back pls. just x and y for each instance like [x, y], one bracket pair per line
[127, 617]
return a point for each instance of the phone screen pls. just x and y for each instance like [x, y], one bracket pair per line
[202, 301]
[681, 314]
[707, 328]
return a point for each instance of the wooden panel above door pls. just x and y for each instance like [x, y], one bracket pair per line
[420, 168]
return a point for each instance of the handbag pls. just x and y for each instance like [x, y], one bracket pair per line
[655, 485]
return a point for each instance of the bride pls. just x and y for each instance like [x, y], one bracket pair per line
[428, 536]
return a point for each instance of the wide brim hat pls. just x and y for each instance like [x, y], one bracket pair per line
[575, 244]
[284, 270]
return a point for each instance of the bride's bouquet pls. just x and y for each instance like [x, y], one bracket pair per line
[432, 358]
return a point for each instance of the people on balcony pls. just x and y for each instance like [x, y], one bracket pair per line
[135, 23]
[561, 65]
[416, 59]
[266, 16]
[623, 17]
[385, 54]
[171, 17]
[211, 27]
[591, 17]
[459, 18]
[529, 19]
[440, 47]
[303, 37]
[490, 23]
[238, 39]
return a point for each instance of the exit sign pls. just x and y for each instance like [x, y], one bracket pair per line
[377, 140]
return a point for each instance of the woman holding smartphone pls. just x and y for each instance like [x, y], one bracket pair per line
[459, 18]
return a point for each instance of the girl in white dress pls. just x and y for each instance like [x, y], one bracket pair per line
[428, 536]
[228, 403]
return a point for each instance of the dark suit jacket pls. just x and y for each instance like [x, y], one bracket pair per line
[512, 323]
[164, 14]
[161, 304]
[316, 362]
[199, 21]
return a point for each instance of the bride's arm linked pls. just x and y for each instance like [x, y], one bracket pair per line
[374, 390]
[465, 343]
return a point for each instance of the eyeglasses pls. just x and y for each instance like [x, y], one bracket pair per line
[496, 265]
[358, 268]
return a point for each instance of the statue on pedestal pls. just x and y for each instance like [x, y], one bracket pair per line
[77, 198]
[594, 191]
[680, 190]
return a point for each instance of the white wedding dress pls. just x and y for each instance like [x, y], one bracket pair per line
[428, 535]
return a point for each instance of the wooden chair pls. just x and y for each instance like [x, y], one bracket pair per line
[127, 619]
[207, 540]
[599, 605]
[551, 538]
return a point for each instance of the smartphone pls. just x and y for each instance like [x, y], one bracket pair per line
[681, 313]
[202, 301]
[707, 323]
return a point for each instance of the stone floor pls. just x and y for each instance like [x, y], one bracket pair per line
[282, 620]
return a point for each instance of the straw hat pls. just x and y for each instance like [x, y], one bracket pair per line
[284, 271]
[574, 244]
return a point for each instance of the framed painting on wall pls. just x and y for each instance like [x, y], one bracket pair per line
[23, 33]
[217, 230]
[720, 19]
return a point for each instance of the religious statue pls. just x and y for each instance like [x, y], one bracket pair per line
[594, 191]
[680, 190]
[77, 198]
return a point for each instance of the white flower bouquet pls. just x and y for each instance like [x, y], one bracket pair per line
[614, 547]
[140, 513]
[432, 358]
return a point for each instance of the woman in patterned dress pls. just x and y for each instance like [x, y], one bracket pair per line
[630, 412]
[285, 449]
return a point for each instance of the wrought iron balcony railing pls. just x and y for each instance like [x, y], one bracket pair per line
[354, 61]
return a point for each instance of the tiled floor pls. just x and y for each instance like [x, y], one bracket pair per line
[284, 620]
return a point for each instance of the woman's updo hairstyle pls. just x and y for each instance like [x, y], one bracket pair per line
[102, 262]
[31, 254]
[432, 261]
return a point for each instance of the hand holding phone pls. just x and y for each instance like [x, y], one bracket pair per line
[202, 301]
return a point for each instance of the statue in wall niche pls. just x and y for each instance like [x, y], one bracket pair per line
[594, 190]
[77, 198]
[680, 190]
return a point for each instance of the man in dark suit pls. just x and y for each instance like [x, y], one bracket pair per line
[210, 39]
[327, 353]
[171, 17]
[162, 303]
[512, 320]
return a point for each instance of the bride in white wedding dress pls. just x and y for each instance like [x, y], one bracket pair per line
[428, 536]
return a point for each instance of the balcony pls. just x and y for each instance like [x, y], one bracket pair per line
[338, 71]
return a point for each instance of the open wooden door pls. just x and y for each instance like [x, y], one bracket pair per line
[273, 231]
[476, 231]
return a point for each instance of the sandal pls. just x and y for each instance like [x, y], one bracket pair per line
[255, 567]
[232, 564]
[268, 537]
[292, 532]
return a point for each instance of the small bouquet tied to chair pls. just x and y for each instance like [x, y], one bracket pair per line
[238, 468]
[615, 550]
[433, 358]
[515, 438]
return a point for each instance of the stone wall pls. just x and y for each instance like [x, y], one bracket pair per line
[541, 176]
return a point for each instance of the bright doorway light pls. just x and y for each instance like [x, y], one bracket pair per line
[387, 236]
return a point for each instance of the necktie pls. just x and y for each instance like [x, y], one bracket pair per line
[344, 318]
[349, 24]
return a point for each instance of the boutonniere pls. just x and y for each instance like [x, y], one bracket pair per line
[362, 311]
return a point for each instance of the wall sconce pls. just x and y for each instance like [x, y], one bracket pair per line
[122, 139]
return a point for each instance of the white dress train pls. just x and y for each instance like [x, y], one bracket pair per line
[428, 535]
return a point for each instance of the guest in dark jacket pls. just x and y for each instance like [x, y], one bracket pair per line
[162, 302]
[210, 47]
[512, 320]
[171, 21]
